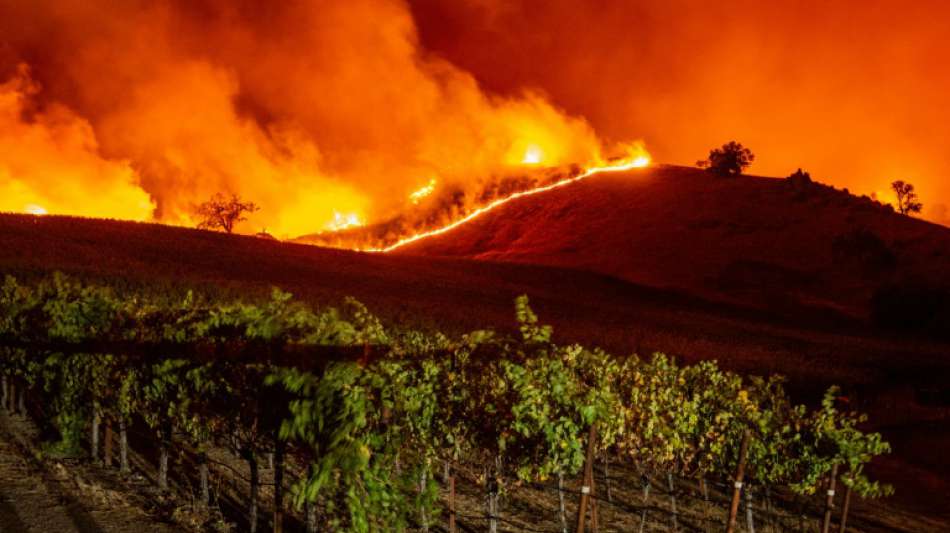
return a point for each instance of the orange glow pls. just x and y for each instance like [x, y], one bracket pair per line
[532, 156]
[853, 94]
[343, 221]
[422, 192]
[145, 109]
[50, 163]
[636, 157]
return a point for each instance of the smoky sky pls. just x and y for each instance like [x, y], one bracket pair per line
[853, 91]
[313, 109]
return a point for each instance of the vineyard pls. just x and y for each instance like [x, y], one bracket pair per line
[366, 427]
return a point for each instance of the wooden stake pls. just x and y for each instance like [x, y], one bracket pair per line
[123, 447]
[254, 486]
[830, 501]
[278, 485]
[560, 500]
[669, 481]
[311, 506]
[163, 453]
[423, 483]
[646, 496]
[587, 489]
[94, 437]
[594, 519]
[844, 509]
[750, 522]
[705, 493]
[452, 528]
[737, 483]
[107, 461]
[204, 489]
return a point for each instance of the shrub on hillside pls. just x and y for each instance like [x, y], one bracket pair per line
[799, 177]
[913, 308]
[799, 182]
[865, 249]
[730, 160]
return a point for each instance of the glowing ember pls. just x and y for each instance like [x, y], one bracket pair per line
[343, 221]
[34, 209]
[637, 158]
[641, 161]
[533, 156]
[418, 195]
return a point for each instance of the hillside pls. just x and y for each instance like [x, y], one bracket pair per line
[756, 241]
[880, 373]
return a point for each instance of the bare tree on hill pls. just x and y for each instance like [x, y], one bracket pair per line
[907, 201]
[222, 213]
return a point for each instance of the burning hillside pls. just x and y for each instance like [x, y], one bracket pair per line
[757, 241]
[435, 214]
[143, 110]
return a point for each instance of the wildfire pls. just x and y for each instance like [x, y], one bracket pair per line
[34, 209]
[343, 221]
[637, 158]
[533, 156]
[421, 193]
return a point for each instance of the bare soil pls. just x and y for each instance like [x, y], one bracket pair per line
[45, 495]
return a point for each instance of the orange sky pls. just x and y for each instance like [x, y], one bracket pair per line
[856, 92]
[318, 110]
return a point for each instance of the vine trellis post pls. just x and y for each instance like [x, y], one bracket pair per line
[830, 500]
[278, 483]
[844, 509]
[452, 527]
[587, 489]
[109, 438]
[737, 484]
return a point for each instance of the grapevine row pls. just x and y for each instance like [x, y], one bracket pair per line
[367, 411]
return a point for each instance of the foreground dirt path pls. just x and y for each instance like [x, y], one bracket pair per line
[38, 495]
[26, 503]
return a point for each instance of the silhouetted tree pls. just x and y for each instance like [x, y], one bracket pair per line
[730, 160]
[221, 212]
[906, 198]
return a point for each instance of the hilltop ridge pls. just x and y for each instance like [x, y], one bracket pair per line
[751, 240]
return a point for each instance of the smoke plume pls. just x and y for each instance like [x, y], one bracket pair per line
[310, 109]
[853, 91]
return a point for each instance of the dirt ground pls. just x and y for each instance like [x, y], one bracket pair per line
[44, 495]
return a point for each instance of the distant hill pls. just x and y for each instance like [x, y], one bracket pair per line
[758, 241]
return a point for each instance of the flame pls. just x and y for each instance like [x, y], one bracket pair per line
[343, 221]
[422, 192]
[34, 209]
[640, 161]
[533, 156]
[637, 157]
